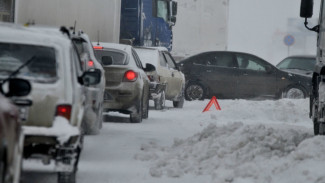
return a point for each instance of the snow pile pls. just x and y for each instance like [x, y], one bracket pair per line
[61, 129]
[238, 152]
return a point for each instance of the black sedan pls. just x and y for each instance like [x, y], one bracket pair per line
[234, 75]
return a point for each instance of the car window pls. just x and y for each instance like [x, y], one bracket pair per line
[76, 60]
[117, 57]
[170, 61]
[42, 67]
[250, 63]
[298, 63]
[137, 59]
[162, 59]
[220, 60]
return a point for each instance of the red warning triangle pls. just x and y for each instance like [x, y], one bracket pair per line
[212, 101]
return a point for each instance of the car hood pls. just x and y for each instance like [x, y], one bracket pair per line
[299, 72]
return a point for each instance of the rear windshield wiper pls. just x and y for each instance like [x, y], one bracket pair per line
[19, 68]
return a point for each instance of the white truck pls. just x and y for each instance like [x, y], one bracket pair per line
[140, 22]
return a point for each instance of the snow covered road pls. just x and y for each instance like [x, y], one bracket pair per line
[247, 141]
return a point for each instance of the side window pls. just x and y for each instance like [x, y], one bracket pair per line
[162, 9]
[136, 59]
[220, 60]
[250, 63]
[76, 61]
[162, 60]
[170, 61]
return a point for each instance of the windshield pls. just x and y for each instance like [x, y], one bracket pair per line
[116, 57]
[42, 66]
[307, 64]
[162, 10]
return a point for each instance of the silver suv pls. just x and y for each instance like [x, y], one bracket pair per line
[52, 65]
[167, 81]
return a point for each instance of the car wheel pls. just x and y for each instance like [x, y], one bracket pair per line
[294, 92]
[194, 91]
[160, 102]
[3, 166]
[67, 177]
[180, 103]
[136, 117]
[146, 108]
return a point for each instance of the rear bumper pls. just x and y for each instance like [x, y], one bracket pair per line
[58, 145]
[121, 100]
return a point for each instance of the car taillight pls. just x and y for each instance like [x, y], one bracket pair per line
[98, 47]
[90, 63]
[64, 111]
[130, 76]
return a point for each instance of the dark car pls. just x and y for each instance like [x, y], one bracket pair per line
[11, 135]
[233, 75]
[303, 64]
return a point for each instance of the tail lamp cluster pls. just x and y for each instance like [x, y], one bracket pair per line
[130, 76]
[64, 111]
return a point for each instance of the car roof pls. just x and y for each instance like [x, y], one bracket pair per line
[123, 47]
[15, 33]
[301, 56]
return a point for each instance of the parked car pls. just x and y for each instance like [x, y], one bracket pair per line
[168, 82]
[300, 64]
[52, 129]
[127, 85]
[11, 135]
[226, 74]
[93, 118]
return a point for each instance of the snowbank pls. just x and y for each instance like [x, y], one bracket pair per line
[247, 141]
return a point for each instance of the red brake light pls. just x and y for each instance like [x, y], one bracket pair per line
[90, 63]
[98, 47]
[64, 111]
[131, 75]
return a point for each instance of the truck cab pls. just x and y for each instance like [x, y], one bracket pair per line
[317, 96]
[148, 22]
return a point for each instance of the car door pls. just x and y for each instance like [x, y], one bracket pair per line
[257, 78]
[176, 80]
[165, 76]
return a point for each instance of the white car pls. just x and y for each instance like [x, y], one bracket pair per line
[167, 81]
[94, 93]
[52, 65]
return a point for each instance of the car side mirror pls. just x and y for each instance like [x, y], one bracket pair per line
[173, 19]
[16, 87]
[174, 8]
[91, 77]
[107, 60]
[306, 8]
[149, 68]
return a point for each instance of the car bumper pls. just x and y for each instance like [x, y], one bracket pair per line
[121, 100]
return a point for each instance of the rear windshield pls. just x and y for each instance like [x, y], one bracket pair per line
[41, 68]
[114, 57]
[148, 56]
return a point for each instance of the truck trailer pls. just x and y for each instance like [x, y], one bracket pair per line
[137, 22]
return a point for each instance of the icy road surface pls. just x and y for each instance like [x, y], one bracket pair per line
[245, 142]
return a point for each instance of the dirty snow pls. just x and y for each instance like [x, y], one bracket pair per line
[246, 142]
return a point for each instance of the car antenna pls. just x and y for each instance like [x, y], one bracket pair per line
[74, 27]
[98, 38]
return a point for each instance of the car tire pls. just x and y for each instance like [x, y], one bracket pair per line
[136, 117]
[3, 166]
[145, 113]
[194, 91]
[67, 177]
[160, 102]
[294, 92]
[180, 103]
